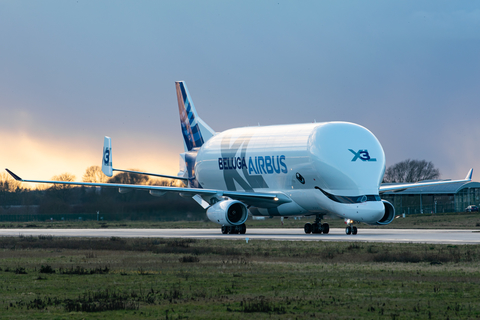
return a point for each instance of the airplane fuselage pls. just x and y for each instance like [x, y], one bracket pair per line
[332, 168]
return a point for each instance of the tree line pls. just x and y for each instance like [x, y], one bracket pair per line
[15, 198]
[409, 171]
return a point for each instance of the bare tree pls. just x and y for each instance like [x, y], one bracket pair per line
[129, 178]
[166, 182]
[63, 177]
[409, 171]
[8, 184]
[94, 174]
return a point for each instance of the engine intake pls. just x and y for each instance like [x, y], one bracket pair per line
[389, 213]
[228, 213]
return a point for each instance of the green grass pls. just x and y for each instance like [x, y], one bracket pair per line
[219, 279]
[416, 221]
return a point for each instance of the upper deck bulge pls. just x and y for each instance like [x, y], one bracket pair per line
[252, 152]
[292, 137]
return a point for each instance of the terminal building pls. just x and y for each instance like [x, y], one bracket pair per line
[453, 197]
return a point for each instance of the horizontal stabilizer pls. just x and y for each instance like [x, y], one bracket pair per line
[152, 174]
[108, 169]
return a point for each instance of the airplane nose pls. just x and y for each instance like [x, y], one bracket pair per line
[368, 212]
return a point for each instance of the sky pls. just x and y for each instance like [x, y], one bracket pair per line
[72, 72]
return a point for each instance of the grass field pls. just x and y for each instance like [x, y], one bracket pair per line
[70, 278]
[421, 221]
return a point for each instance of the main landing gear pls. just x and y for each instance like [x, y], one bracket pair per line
[350, 229]
[317, 226]
[241, 229]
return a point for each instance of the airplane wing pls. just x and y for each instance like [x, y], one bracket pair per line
[404, 186]
[263, 200]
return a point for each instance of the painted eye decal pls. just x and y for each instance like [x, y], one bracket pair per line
[300, 178]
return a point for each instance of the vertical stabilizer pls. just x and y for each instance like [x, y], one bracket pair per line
[107, 157]
[195, 131]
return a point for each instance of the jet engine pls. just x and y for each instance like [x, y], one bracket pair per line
[228, 213]
[389, 214]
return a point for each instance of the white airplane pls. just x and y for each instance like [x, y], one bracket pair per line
[332, 169]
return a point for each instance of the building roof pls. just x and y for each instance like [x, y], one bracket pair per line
[450, 188]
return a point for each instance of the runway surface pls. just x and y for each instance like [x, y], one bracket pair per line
[336, 234]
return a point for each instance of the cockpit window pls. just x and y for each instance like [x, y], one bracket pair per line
[346, 199]
[372, 197]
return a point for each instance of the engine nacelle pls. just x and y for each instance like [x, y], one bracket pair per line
[389, 213]
[228, 213]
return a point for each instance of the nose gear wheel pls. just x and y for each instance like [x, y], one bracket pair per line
[350, 229]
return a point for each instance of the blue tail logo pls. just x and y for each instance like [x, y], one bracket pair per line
[188, 118]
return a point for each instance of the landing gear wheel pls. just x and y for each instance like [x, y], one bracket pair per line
[354, 230]
[317, 228]
[348, 230]
[224, 229]
[308, 228]
[243, 228]
[325, 228]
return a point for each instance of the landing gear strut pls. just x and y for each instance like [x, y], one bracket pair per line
[350, 229]
[241, 229]
[317, 226]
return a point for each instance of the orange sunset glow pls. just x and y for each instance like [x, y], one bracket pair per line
[34, 158]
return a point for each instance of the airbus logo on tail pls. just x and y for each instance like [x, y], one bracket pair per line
[362, 155]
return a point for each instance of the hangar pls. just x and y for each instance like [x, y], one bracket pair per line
[453, 197]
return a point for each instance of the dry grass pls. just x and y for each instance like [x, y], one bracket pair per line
[209, 279]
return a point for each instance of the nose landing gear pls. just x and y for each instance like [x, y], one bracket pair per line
[350, 229]
[317, 226]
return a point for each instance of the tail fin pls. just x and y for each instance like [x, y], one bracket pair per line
[195, 131]
[107, 157]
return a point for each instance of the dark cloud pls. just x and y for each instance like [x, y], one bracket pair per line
[406, 70]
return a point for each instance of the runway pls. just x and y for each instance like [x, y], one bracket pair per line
[336, 234]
